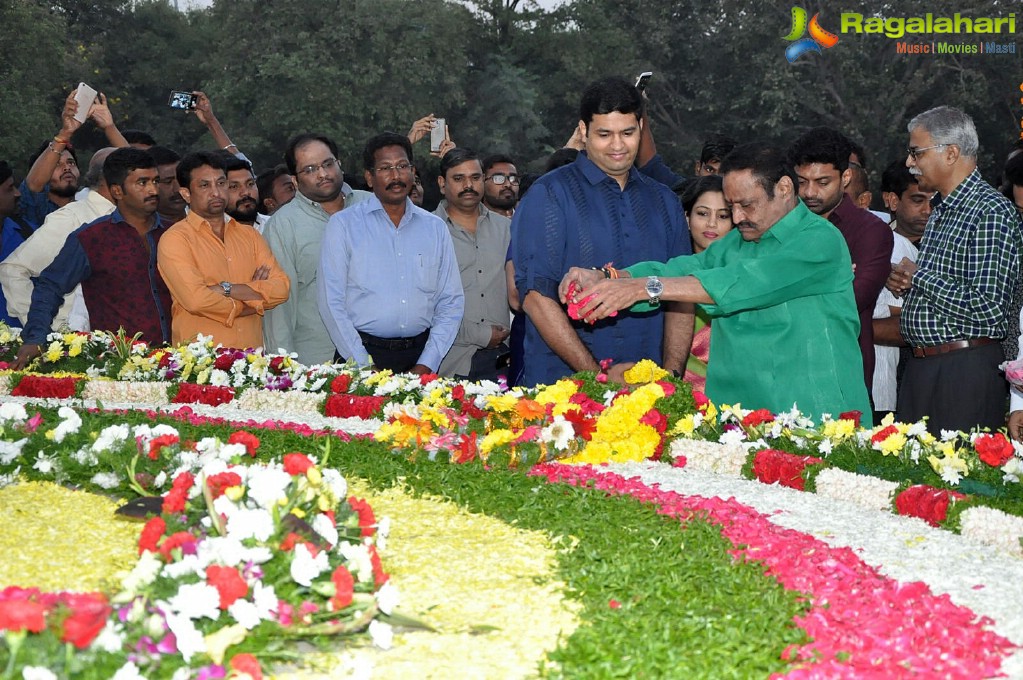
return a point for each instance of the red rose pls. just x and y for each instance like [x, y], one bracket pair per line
[758, 417]
[247, 439]
[994, 449]
[427, 378]
[181, 540]
[655, 419]
[458, 392]
[339, 385]
[771, 466]
[926, 502]
[87, 615]
[175, 500]
[367, 520]
[228, 582]
[701, 400]
[22, 614]
[344, 587]
[42, 386]
[219, 482]
[668, 388]
[224, 362]
[156, 445]
[854, 416]
[277, 364]
[246, 664]
[352, 406]
[151, 534]
[296, 463]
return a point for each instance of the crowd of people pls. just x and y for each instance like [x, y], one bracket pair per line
[764, 279]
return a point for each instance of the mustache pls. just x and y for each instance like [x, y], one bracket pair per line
[397, 184]
[469, 192]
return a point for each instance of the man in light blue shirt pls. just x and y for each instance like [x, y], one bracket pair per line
[389, 289]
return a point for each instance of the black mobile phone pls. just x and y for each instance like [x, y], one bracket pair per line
[179, 99]
[643, 79]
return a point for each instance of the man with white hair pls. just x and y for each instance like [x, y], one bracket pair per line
[957, 294]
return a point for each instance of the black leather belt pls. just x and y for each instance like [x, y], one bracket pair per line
[394, 344]
[935, 350]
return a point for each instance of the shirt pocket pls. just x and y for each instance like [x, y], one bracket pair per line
[427, 267]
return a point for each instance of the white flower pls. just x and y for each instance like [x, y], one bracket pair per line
[950, 475]
[267, 485]
[84, 457]
[918, 429]
[245, 523]
[143, 573]
[1013, 470]
[305, 567]
[220, 378]
[949, 435]
[382, 634]
[245, 613]
[383, 531]
[189, 640]
[358, 561]
[37, 673]
[11, 451]
[335, 482]
[188, 565]
[195, 600]
[106, 480]
[734, 438]
[110, 437]
[560, 433]
[825, 447]
[160, 480]
[387, 598]
[110, 639]
[325, 527]
[44, 463]
[14, 412]
[69, 425]
[128, 671]
[265, 600]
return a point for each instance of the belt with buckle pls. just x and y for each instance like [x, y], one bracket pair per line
[935, 350]
[394, 344]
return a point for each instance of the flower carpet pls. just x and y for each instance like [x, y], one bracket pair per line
[682, 537]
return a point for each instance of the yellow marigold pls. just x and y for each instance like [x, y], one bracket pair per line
[619, 436]
[686, 425]
[893, 445]
[496, 438]
[645, 371]
[839, 430]
[502, 403]
[68, 338]
[558, 393]
[379, 377]
[432, 415]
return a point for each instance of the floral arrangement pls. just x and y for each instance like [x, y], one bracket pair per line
[241, 556]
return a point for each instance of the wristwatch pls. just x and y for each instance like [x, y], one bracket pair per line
[226, 285]
[654, 288]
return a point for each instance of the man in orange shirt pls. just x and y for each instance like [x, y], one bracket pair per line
[221, 274]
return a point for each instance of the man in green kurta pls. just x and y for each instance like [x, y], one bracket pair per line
[779, 291]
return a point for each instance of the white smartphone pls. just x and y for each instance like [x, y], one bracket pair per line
[437, 134]
[85, 98]
[643, 79]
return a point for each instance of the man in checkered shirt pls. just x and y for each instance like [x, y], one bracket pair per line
[957, 294]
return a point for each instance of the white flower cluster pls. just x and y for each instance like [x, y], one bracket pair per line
[721, 458]
[993, 527]
[863, 490]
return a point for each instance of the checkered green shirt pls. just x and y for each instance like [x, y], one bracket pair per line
[969, 263]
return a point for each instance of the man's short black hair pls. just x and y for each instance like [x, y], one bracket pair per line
[163, 156]
[265, 182]
[610, 95]
[456, 156]
[302, 140]
[562, 156]
[138, 137]
[6, 171]
[716, 148]
[122, 162]
[234, 163]
[821, 145]
[46, 145]
[195, 160]
[767, 162]
[857, 148]
[381, 141]
[697, 187]
[897, 178]
[493, 159]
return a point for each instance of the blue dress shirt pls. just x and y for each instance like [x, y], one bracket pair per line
[578, 216]
[389, 282]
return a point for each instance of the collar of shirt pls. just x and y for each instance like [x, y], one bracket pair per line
[595, 175]
[373, 204]
[963, 190]
[791, 223]
[193, 220]
[442, 212]
[100, 202]
[310, 206]
[117, 217]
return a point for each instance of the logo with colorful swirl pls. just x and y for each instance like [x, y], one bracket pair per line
[818, 38]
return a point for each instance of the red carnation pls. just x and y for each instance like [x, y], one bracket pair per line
[994, 449]
[224, 362]
[367, 520]
[175, 500]
[758, 417]
[277, 364]
[339, 385]
[87, 615]
[771, 466]
[246, 664]
[881, 435]
[926, 502]
[458, 392]
[344, 587]
[467, 449]
[228, 582]
[854, 416]
[655, 419]
[218, 483]
[289, 542]
[352, 406]
[247, 439]
[296, 463]
[183, 540]
[379, 576]
[156, 445]
[22, 614]
[427, 378]
[151, 534]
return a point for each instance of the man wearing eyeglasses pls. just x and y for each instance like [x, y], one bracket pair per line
[295, 233]
[388, 286]
[500, 185]
[480, 237]
[957, 294]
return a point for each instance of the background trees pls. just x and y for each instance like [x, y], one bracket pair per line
[506, 74]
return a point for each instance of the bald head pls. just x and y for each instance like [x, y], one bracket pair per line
[94, 175]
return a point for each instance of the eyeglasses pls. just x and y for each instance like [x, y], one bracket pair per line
[400, 168]
[916, 153]
[326, 166]
[500, 178]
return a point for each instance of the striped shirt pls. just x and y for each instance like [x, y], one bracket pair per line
[969, 264]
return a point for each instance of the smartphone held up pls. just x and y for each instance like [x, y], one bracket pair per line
[181, 99]
[643, 80]
[438, 134]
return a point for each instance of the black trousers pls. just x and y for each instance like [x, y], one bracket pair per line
[958, 391]
[396, 354]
